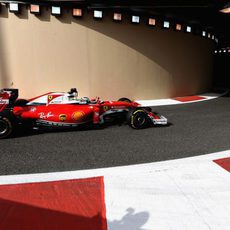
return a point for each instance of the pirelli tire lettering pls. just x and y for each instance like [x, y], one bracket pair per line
[138, 119]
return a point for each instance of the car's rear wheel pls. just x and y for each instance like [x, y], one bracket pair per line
[138, 119]
[124, 99]
[6, 127]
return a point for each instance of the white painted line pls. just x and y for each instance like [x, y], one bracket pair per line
[158, 102]
[168, 101]
[119, 170]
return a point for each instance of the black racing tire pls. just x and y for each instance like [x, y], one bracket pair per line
[124, 99]
[6, 127]
[138, 119]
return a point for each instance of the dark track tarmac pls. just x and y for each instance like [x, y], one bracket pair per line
[196, 129]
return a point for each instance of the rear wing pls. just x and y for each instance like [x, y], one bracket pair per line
[7, 98]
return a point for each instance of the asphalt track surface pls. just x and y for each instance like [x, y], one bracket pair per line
[196, 128]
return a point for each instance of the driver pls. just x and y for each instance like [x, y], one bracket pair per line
[73, 94]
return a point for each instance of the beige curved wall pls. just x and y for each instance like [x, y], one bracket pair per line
[100, 58]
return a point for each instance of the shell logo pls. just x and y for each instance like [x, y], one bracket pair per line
[78, 116]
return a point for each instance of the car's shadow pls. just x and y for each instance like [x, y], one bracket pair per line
[25, 132]
[22, 132]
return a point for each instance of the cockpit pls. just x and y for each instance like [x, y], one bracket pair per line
[70, 97]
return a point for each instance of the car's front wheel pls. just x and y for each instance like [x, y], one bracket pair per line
[6, 127]
[138, 119]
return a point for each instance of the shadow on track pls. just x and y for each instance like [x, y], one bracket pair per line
[26, 132]
[131, 220]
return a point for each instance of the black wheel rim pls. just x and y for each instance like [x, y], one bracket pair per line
[139, 119]
[3, 127]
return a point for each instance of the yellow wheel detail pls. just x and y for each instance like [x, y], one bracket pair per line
[138, 111]
[138, 119]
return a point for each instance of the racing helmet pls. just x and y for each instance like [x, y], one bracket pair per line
[73, 93]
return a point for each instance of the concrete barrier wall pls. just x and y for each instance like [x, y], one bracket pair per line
[100, 58]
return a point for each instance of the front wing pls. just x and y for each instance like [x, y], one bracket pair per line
[158, 120]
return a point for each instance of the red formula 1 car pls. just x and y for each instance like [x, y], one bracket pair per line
[66, 110]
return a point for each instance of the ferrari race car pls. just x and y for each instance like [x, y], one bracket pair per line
[66, 110]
